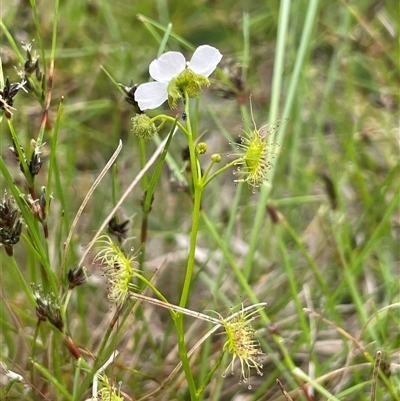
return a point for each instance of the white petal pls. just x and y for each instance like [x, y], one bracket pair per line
[205, 60]
[14, 376]
[151, 95]
[167, 66]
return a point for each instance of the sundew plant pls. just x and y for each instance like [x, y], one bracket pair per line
[199, 201]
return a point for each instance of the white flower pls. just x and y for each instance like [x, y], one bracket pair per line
[167, 68]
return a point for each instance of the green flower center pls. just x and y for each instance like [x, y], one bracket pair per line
[187, 81]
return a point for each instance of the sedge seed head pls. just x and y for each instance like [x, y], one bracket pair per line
[117, 269]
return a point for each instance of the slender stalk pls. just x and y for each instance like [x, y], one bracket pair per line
[148, 196]
[197, 190]
[222, 169]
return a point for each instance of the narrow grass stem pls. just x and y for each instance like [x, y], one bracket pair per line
[21, 154]
[59, 387]
[149, 193]
[303, 376]
[54, 137]
[316, 271]
[65, 303]
[142, 155]
[21, 279]
[152, 287]
[39, 33]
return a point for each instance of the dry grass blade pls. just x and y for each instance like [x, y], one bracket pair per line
[87, 197]
[284, 392]
[341, 331]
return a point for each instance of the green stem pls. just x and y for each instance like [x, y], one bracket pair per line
[148, 196]
[222, 169]
[144, 182]
[21, 155]
[65, 304]
[323, 284]
[39, 33]
[21, 279]
[152, 287]
[164, 117]
[192, 249]
[58, 386]
[210, 375]
[197, 191]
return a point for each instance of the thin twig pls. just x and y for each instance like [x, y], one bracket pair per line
[86, 200]
[284, 392]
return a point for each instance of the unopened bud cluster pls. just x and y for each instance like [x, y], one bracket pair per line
[38, 206]
[7, 95]
[77, 276]
[10, 224]
[32, 63]
[120, 230]
[48, 308]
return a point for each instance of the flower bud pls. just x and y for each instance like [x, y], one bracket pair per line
[216, 158]
[10, 225]
[143, 127]
[48, 308]
[77, 276]
[120, 230]
[201, 148]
